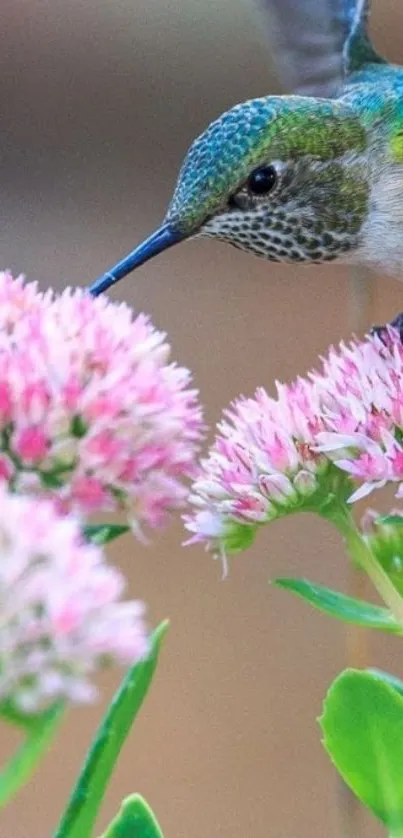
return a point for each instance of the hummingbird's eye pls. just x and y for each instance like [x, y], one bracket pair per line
[262, 180]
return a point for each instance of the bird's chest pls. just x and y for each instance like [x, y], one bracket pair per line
[381, 242]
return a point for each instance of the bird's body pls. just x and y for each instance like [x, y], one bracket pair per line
[299, 178]
[376, 95]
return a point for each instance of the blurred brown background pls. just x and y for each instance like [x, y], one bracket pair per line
[99, 101]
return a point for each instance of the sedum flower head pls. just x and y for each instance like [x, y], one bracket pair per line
[336, 435]
[361, 390]
[91, 410]
[60, 614]
[263, 464]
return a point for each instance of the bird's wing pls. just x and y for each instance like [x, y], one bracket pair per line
[315, 43]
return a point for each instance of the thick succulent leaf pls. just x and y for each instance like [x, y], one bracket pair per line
[135, 820]
[362, 725]
[343, 607]
[389, 679]
[82, 810]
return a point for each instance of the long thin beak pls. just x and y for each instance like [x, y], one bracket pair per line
[163, 238]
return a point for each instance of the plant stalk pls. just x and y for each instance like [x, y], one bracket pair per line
[362, 555]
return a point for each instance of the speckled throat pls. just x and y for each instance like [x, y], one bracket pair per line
[316, 214]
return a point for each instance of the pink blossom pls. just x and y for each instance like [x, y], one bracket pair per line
[262, 465]
[361, 391]
[30, 444]
[60, 616]
[337, 432]
[91, 410]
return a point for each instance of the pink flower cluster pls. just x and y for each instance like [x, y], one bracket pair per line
[263, 464]
[339, 428]
[91, 412]
[361, 388]
[60, 618]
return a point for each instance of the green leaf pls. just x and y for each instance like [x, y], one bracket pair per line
[394, 682]
[135, 820]
[362, 725]
[343, 607]
[103, 533]
[39, 732]
[391, 520]
[82, 809]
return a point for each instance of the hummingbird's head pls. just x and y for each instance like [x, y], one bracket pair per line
[284, 177]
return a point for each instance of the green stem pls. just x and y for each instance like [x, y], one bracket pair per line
[39, 733]
[363, 556]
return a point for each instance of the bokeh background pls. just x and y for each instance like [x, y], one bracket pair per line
[98, 102]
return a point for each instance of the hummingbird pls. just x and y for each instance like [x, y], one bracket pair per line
[298, 178]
